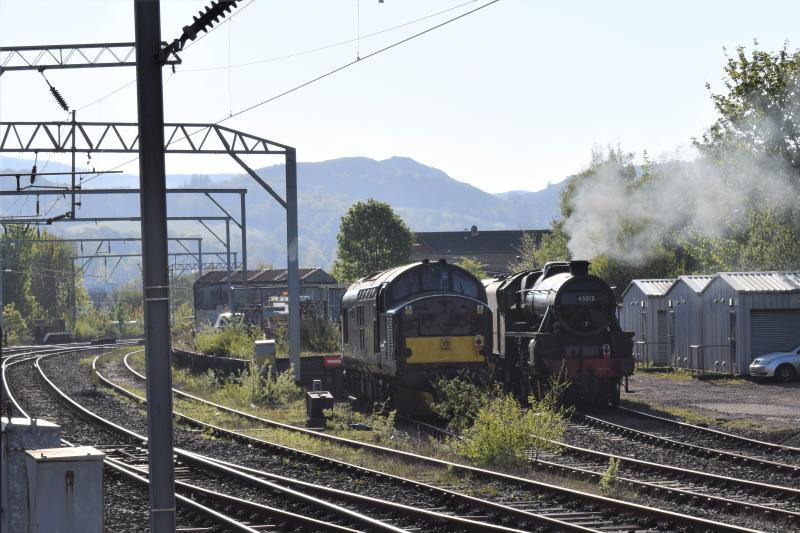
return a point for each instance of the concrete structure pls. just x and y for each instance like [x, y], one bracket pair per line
[19, 434]
[644, 311]
[685, 319]
[263, 293]
[747, 314]
[495, 249]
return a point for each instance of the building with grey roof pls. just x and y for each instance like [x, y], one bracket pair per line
[218, 291]
[685, 319]
[644, 311]
[747, 314]
[496, 249]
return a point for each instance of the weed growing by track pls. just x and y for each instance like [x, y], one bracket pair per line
[609, 483]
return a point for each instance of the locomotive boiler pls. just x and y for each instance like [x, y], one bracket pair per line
[558, 320]
[407, 327]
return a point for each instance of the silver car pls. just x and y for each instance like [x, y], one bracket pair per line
[783, 365]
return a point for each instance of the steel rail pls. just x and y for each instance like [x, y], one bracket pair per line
[203, 493]
[490, 506]
[772, 446]
[618, 505]
[205, 464]
[188, 456]
[681, 473]
[694, 449]
[133, 473]
[113, 464]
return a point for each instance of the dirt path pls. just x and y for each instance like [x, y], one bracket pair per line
[763, 407]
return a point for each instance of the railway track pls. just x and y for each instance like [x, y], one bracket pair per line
[594, 510]
[714, 438]
[762, 467]
[199, 477]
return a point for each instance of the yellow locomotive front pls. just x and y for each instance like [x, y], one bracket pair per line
[430, 321]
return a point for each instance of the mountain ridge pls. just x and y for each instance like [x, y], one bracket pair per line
[425, 197]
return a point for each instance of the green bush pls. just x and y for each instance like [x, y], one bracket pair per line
[319, 335]
[506, 434]
[14, 327]
[255, 387]
[459, 403]
[236, 340]
[610, 480]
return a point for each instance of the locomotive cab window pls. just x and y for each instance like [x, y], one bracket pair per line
[436, 278]
[405, 285]
[344, 326]
[465, 284]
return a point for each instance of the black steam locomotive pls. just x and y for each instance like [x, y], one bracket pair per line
[404, 328]
[559, 319]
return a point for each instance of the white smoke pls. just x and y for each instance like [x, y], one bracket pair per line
[624, 217]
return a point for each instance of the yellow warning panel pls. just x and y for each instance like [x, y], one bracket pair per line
[460, 349]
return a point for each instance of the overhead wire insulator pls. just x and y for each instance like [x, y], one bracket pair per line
[203, 22]
[57, 95]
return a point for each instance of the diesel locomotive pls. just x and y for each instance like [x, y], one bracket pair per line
[559, 320]
[404, 328]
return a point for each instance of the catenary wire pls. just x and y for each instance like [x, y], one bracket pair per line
[333, 45]
[351, 63]
[329, 73]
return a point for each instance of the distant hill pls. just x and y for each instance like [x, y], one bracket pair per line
[425, 197]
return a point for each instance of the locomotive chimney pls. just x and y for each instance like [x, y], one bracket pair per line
[579, 268]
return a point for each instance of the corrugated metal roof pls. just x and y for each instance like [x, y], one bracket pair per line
[696, 283]
[762, 281]
[654, 287]
[254, 276]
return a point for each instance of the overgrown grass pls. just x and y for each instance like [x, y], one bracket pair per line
[495, 430]
[236, 340]
[440, 476]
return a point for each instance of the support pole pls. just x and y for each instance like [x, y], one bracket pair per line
[74, 132]
[73, 311]
[231, 306]
[292, 261]
[243, 226]
[153, 205]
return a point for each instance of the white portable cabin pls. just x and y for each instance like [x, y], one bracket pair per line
[747, 314]
[685, 316]
[644, 311]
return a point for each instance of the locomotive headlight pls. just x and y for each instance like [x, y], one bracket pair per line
[606, 351]
[408, 310]
[479, 309]
[479, 340]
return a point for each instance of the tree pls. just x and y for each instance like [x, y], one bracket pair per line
[526, 260]
[758, 113]
[758, 123]
[473, 266]
[371, 238]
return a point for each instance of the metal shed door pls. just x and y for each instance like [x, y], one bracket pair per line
[773, 330]
[662, 348]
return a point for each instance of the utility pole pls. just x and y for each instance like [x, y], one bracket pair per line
[153, 202]
[292, 261]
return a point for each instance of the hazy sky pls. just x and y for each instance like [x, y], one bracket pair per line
[510, 97]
